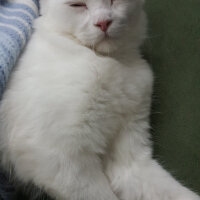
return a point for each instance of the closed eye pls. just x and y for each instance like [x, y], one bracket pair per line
[78, 5]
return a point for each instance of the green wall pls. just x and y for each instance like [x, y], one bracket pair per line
[173, 50]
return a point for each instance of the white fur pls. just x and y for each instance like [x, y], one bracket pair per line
[74, 121]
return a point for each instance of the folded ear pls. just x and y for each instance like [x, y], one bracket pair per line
[44, 4]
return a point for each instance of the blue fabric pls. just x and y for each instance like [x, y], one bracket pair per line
[16, 26]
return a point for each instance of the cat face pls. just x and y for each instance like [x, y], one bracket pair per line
[95, 23]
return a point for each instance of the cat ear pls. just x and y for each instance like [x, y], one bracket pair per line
[44, 4]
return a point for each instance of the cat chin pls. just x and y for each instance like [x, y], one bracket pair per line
[106, 47]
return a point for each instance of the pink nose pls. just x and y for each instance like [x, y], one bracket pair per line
[103, 25]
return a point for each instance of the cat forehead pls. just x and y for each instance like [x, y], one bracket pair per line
[91, 1]
[92, 4]
[94, 1]
[99, 1]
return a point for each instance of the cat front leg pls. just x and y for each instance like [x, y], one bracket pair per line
[134, 175]
[63, 175]
[84, 180]
[148, 181]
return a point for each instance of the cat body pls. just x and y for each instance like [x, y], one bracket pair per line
[74, 117]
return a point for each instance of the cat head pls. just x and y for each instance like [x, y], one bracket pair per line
[98, 24]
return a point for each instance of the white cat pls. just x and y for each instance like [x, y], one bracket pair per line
[74, 117]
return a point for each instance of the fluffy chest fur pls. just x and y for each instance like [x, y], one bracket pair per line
[56, 90]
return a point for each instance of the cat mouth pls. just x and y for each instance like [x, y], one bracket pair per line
[105, 38]
[104, 44]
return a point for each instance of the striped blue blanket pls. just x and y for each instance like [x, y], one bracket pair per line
[16, 26]
[16, 20]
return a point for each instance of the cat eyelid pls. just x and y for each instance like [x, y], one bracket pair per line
[76, 4]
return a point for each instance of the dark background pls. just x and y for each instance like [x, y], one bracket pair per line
[173, 50]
